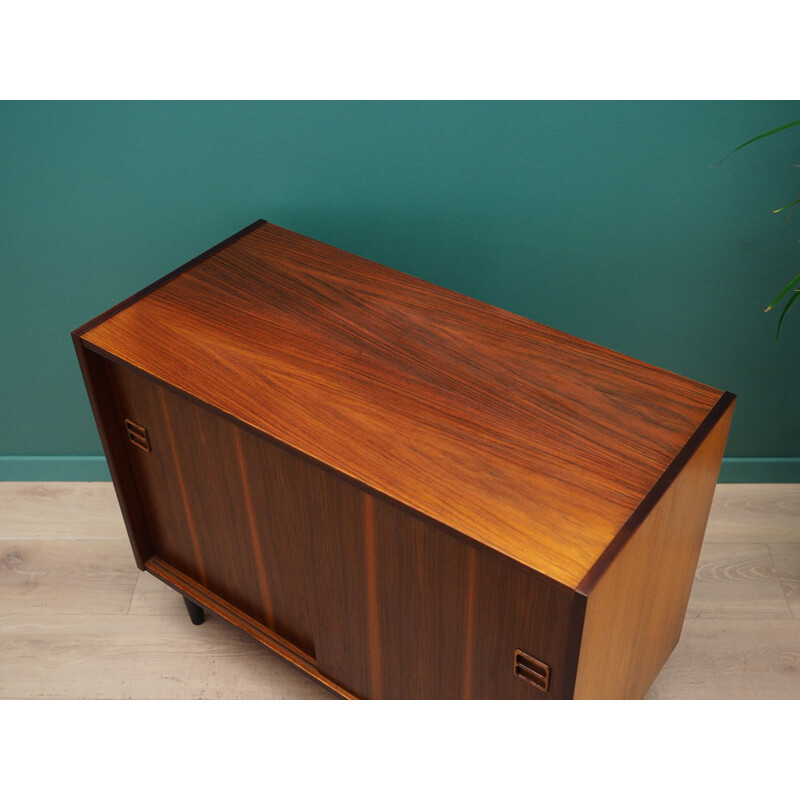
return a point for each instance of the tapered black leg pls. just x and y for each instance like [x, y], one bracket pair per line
[196, 614]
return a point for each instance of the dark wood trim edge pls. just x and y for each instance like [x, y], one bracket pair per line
[79, 331]
[574, 636]
[207, 599]
[608, 555]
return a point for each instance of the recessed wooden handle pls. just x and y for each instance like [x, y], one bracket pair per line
[137, 435]
[531, 670]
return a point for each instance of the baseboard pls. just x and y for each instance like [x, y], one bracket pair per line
[760, 470]
[93, 468]
[53, 468]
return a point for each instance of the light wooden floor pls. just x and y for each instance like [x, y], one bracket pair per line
[78, 620]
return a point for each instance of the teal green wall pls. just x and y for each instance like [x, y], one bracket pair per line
[599, 218]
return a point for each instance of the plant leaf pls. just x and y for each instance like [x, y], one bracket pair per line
[793, 203]
[791, 302]
[756, 138]
[792, 283]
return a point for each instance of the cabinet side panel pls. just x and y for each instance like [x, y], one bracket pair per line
[635, 612]
[106, 416]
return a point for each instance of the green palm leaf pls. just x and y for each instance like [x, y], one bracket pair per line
[791, 284]
[793, 203]
[756, 138]
[783, 313]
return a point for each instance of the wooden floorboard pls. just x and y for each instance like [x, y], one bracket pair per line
[53, 578]
[761, 513]
[723, 659]
[78, 620]
[59, 511]
[104, 656]
[786, 558]
[737, 581]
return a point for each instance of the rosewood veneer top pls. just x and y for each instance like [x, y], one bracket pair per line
[527, 440]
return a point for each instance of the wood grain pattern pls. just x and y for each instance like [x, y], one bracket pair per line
[64, 648]
[118, 657]
[422, 607]
[469, 638]
[333, 512]
[59, 510]
[259, 560]
[205, 482]
[392, 606]
[764, 513]
[373, 623]
[65, 577]
[786, 559]
[737, 580]
[515, 609]
[115, 448]
[768, 515]
[635, 612]
[218, 605]
[397, 488]
[529, 441]
[723, 659]
[722, 409]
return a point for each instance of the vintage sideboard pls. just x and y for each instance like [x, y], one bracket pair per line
[404, 492]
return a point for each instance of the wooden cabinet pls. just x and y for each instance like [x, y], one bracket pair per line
[404, 492]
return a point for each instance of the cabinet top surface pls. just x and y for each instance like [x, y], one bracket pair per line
[528, 440]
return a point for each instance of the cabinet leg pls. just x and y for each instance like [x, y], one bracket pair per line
[196, 613]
